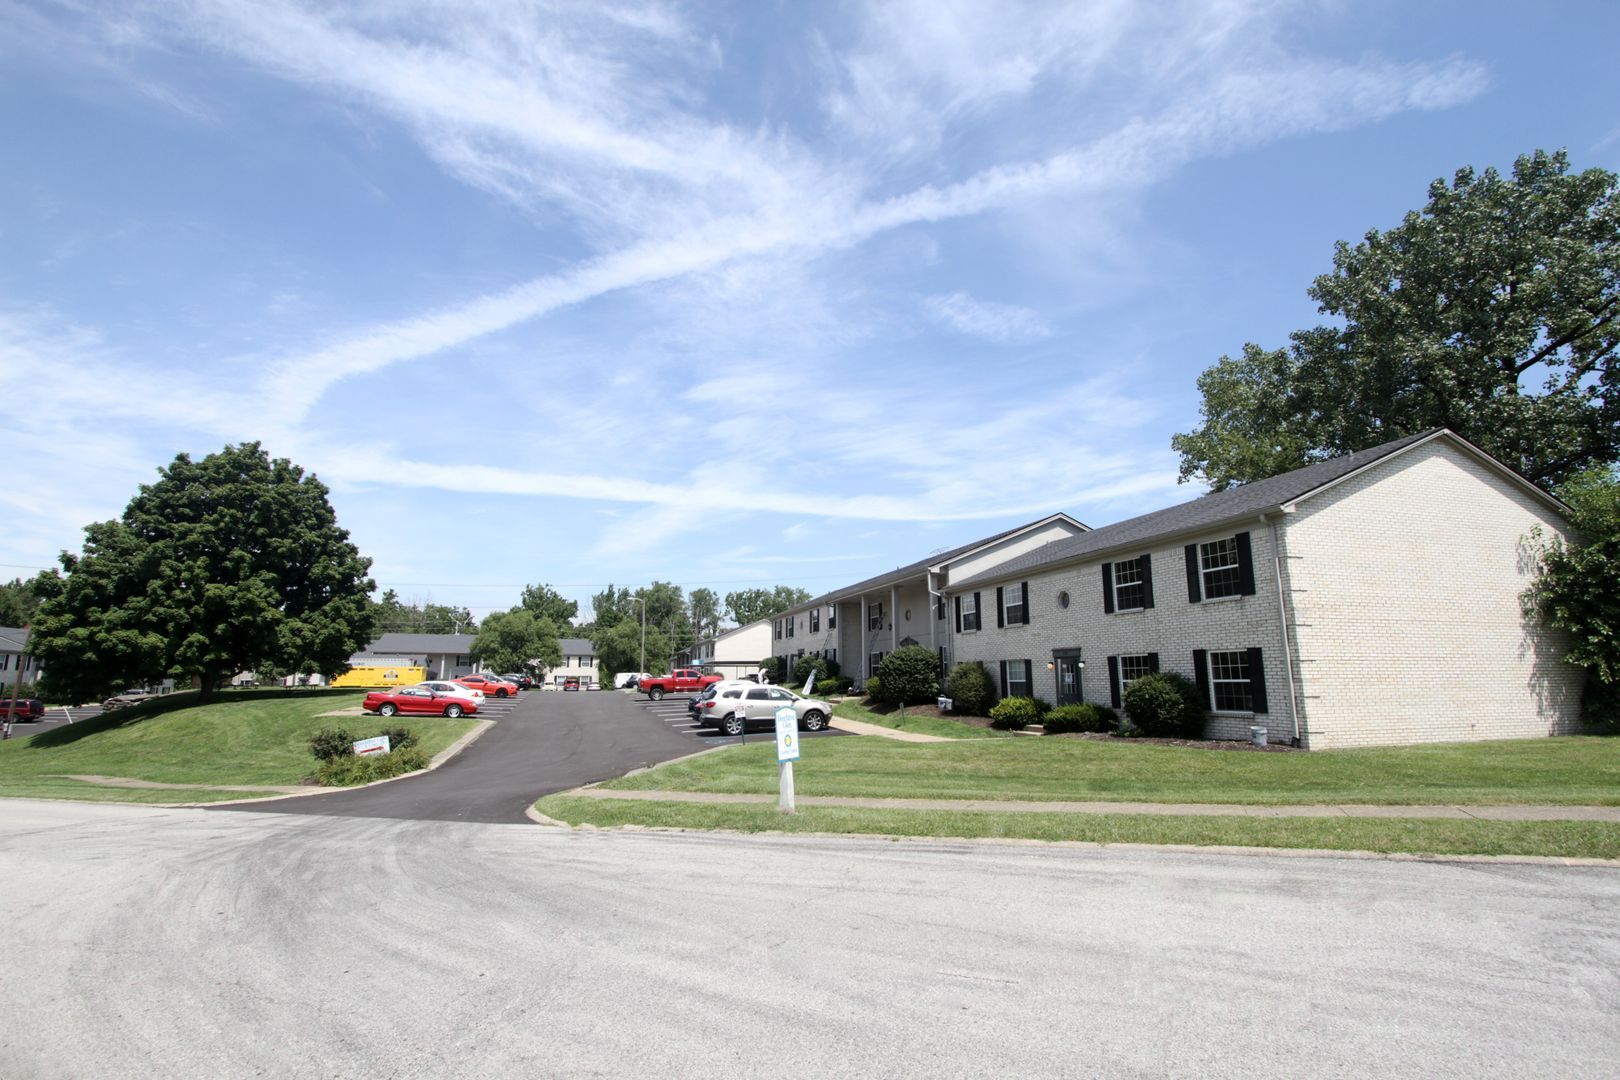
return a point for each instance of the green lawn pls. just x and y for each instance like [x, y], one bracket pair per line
[1564, 839]
[258, 742]
[921, 725]
[1569, 771]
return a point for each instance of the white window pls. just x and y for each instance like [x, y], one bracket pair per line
[777, 626]
[1128, 592]
[1229, 679]
[1218, 565]
[1133, 667]
[1014, 600]
[970, 611]
[874, 617]
[1017, 683]
[790, 621]
[873, 661]
[815, 620]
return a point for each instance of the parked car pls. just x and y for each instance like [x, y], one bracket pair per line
[491, 685]
[417, 700]
[28, 708]
[628, 678]
[450, 689]
[571, 682]
[128, 697]
[520, 680]
[681, 679]
[737, 707]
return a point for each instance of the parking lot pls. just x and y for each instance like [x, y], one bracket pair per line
[672, 711]
[53, 718]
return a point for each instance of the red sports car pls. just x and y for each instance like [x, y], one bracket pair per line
[489, 684]
[416, 699]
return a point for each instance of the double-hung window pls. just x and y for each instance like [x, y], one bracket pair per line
[874, 617]
[970, 610]
[790, 621]
[1014, 604]
[1015, 678]
[1218, 567]
[1133, 667]
[873, 662]
[777, 626]
[815, 620]
[832, 616]
[1128, 587]
[1233, 680]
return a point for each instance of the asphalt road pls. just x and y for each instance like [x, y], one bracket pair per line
[183, 943]
[548, 742]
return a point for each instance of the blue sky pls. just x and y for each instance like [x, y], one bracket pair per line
[724, 294]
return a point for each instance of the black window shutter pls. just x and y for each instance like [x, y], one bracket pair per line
[1108, 590]
[1245, 565]
[1001, 610]
[1195, 577]
[1147, 580]
[958, 600]
[1153, 661]
[1201, 673]
[1113, 680]
[1004, 678]
[1257, 682]
[978, 612]
[1023, 592]
[1029, 678]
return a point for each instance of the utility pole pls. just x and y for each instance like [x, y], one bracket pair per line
[643, 602]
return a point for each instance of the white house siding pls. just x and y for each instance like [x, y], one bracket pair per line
[1405, 584]
[985, 559]
[1173, 628]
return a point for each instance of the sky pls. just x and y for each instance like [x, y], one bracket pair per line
[722, 294]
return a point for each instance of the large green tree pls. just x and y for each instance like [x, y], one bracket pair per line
[221, 565]
[548, 603]
[618, 648]
[1494, 311]
[751, 605]
[1578, 590]
[393, 615]
[704, 605]
[517, 640]
[19, 600]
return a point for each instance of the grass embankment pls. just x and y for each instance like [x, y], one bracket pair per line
[1566, 771]
[261, 742]
[921, 725]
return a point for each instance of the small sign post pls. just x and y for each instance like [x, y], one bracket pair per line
[787, 752]
[379, 745]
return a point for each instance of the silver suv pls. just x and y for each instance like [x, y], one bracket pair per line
[734, 707]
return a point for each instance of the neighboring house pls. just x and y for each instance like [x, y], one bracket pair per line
[445, 656]
[858, 625]
[14, 658]
[1370, 599]
[578, 661]
[735, 653]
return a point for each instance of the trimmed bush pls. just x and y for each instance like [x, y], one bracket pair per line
[1165, 705]
[971, 689]
[772, 667]
[330, 744]
[1014, 713]
[1042, 706]
[399, 738]
[874, 690]
[910, 675]
[1108, 715]
[1071, 718]
[350, 771]
[835, 684]
[806, 665]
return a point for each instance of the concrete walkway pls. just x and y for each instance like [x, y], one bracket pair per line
[856, 727]
[1455, 813]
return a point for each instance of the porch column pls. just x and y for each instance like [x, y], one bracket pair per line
[866, 653]
[894, 616]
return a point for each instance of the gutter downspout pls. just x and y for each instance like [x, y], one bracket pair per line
[1282, 624]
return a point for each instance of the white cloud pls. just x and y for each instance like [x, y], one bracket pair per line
[985, 318]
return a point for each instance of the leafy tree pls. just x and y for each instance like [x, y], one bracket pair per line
[611, 605]
[1576, 590]
[751, 605]
[395, 616]
[516, 640]
[705, 608]
[910, 674]
[1494, 311]
[220, 565]
[19, 599]
[618, 648]
[806, 665]
[547, 603]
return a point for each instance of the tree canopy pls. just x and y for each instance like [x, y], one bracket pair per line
[221, 565]
[546, 603]
[516, 640]
[19, 600]
[392, 615]
[1494, 311]
[751, 605]
[618, 648]
[704, 606]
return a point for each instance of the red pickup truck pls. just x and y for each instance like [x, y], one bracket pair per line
[681, 680]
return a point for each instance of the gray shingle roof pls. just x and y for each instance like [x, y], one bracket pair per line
[1212, 510]
[13, 638]
[577, 646]
[407, 644]
[911, 570]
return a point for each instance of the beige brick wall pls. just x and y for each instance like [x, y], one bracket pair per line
[1405, 585]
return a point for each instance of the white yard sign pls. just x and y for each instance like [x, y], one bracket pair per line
[379, 745]
[787, 752]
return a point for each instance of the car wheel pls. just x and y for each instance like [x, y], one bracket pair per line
[732, 724]
[814, 721]
[656, 693]
[500, 693]
[387, 708]
[452, 711]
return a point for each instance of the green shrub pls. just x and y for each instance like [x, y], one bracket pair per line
[1069, 718]
[1165, 705]
[399, 738]
[970, 689]
[772, 667]
[835, 684]
[806, 665]
[1042, 706]
[1108, 715]
[330, 744]
[352, 770]
[1014, 713]
[910, 674]
[874, 690]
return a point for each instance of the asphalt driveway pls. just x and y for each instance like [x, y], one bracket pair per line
[550, 742]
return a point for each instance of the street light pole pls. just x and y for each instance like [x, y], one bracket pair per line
[642, 601]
